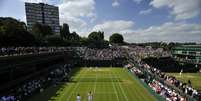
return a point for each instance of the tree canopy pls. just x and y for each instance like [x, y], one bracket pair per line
[96, 36]
[14, 33]
[116, 38]
[96, 40]
[41, 31]
[64, 31]
[55, 40]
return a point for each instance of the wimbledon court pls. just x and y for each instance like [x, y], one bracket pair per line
[106, 84]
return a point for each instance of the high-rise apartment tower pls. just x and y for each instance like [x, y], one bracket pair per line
[43, 14]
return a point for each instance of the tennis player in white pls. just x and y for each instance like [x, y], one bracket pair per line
[78, 97]
[90, 96]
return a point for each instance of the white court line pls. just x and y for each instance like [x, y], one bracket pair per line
[90, 75]
[84, 92]
[121, 87]
[115, 90]
[95, 84]
[67, 91]
[75, 88]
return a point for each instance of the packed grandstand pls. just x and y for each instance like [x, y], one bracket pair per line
[167, 87]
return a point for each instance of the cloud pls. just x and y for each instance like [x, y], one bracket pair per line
[110, 27]
[145, 12]
[115, 3]
[24, 19]
[36, 1]
[180, 9]
[74, 12]
[78, 8]
[76, 24]
[177, 32]
[137, 1]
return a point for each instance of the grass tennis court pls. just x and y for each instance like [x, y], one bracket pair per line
[107, 84]
[195, 78]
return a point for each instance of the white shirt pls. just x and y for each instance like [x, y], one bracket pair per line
[90, 97]
[78, 98]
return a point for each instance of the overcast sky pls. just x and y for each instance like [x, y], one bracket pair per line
[137, 20]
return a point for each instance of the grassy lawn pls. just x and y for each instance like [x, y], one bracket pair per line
[195, 78]
[106, 84]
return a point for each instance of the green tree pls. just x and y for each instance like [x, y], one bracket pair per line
[171, 45]
[41, 32]
[37, 31]
[47, 31]
[55, 40]
[116, 38]
[13, 33]
[74, 36]
[2, 37]
[65, 31]
[96, 36]
[84, 41]
[96, 40]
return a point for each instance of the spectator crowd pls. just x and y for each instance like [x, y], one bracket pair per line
[88, 53]
[138, 52]
[105, 54]
[15, 51]
[157, 80]
[100, 54]
[166, 86]
[55, 76]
